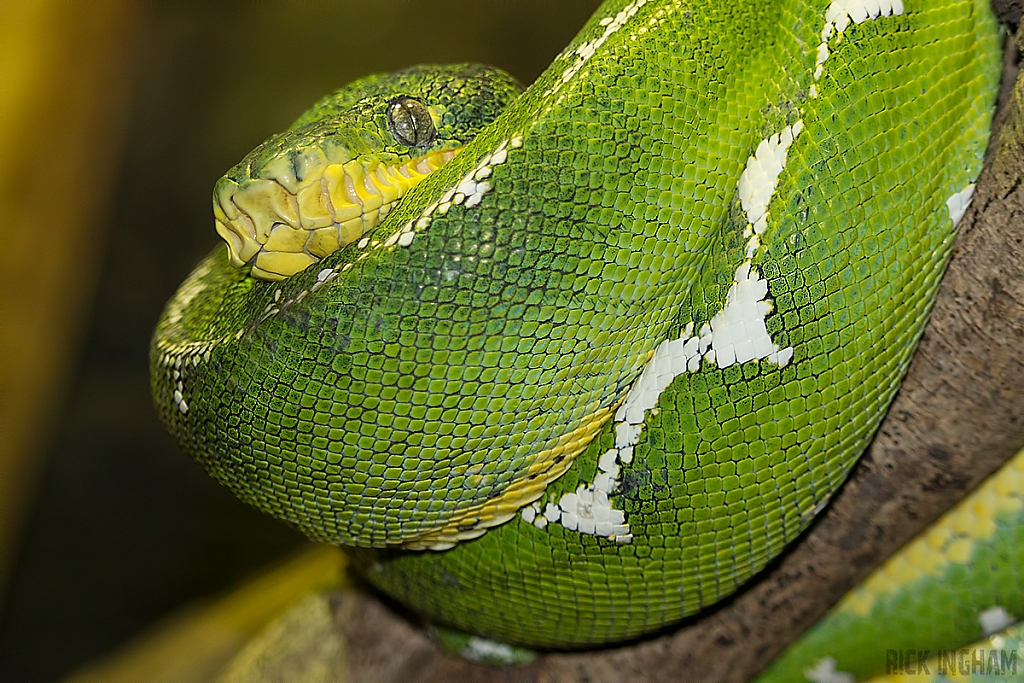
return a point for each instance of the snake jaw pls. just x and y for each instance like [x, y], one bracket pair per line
[283, 222]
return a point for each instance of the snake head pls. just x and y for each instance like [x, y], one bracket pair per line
[341, 167]
[430, 378]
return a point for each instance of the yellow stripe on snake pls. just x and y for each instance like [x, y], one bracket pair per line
[561, 367]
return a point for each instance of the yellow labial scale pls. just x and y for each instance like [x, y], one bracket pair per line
[323, 241]
[218, 213]
[383, 184]
[399, 180]
[258, 272]
[244, 230]
[347, 212]
[369, 220]
[350, 230]
[313, 210]
[367, 197]
[343, 199]
[286, 239]
[245, 244]
[279, 265]
[337, 205]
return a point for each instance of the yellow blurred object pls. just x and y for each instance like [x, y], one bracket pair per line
[303, 645]
[194, 645]
[63, 87]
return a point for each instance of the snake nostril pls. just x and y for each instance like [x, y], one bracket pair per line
[234, 241]
[223, 192]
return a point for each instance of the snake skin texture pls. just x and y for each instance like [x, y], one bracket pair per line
[596, 371]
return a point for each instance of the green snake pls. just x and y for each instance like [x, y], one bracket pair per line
[562, 366]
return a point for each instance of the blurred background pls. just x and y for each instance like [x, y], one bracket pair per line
[116, 118]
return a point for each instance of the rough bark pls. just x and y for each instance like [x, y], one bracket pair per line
[958, 416]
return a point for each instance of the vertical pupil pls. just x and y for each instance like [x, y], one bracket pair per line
[408, 118]
[410, 122]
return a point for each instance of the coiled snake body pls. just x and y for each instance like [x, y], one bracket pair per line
[564, 371]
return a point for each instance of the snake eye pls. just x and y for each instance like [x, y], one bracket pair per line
[410, 122]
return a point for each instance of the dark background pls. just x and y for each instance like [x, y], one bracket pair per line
[121, 527]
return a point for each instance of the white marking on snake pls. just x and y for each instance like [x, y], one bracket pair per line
[995, 619]
[176, 356]
[586, 49]
[588, 509]
[530, 512]
[179, 387]
[841, 12]
[838, 17]
[825, 672]
[192, 287]
[469, 192]
[480, 649]
[736, 334]
[958, 203]
[760, 178]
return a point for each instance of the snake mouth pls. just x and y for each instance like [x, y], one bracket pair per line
[279, 231]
